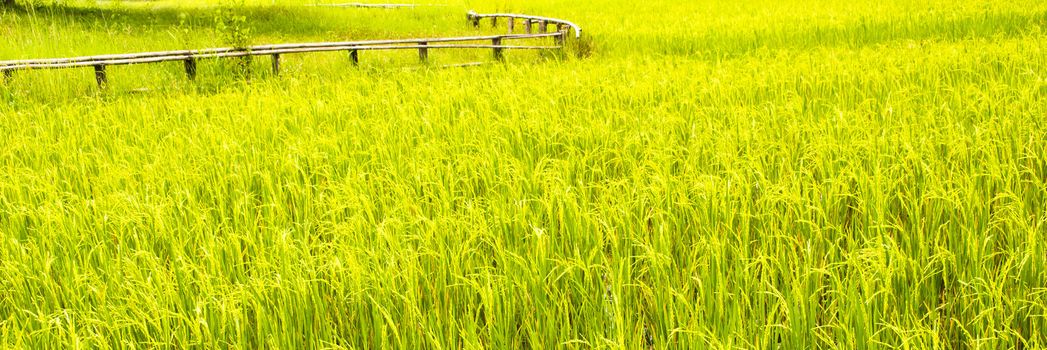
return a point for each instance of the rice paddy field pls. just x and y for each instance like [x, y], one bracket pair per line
[767, 174]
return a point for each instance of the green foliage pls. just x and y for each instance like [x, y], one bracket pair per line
[233, 26]
[715, 175]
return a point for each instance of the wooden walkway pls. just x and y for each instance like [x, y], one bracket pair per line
[534, 28]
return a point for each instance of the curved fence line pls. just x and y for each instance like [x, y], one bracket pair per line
[528, 22]
[423, 45]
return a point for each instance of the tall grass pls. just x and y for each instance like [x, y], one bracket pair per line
[786, 175]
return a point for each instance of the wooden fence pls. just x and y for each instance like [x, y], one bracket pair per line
[189, 58]
[529, 22]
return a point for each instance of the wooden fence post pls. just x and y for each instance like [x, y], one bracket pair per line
[527, 25]
[494, 22]
[190, 68]
[543, 27]
[354, 55]
[499, 54]
[100, 76]
[276, 64]
[423, 52]
[511, 24]
[561, 40]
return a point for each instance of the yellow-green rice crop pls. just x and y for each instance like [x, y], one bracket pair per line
[769, 174]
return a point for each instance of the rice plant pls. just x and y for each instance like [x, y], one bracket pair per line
[788, 174]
